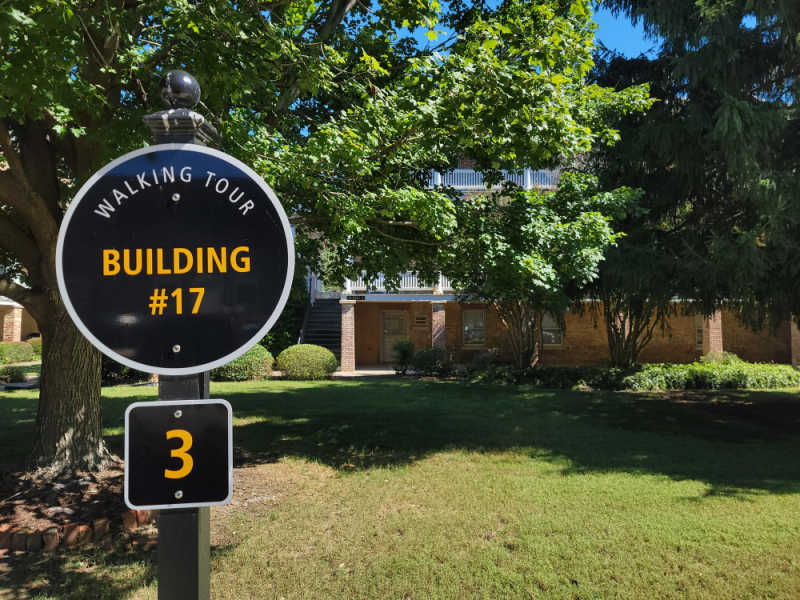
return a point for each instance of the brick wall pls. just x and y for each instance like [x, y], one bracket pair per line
[585, 343]
[794, 343]
[29, 325]
[348, 352]
[676, 344]
[438, 325]
[12, 323]
[368, 327]
[754, 346]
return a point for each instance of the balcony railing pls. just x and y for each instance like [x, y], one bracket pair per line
[409, 282]
[469, 180]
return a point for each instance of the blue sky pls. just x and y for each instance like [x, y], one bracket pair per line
[618, 33]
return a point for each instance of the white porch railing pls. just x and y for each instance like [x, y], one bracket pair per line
[467, 179]
[409, 282]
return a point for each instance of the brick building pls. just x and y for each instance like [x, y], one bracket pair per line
[17, 323]
[369, 320]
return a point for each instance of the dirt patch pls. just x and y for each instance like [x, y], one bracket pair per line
[257, 490]
[32, 503]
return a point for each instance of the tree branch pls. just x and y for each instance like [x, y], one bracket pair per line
[22, 197]
[404, 240]
[16, 292]
[16, 241]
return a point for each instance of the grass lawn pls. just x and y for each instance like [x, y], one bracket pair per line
[399, 489]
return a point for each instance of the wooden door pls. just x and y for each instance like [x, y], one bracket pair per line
[393, 329]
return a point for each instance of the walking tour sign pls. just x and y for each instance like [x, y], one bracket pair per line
[175, 259]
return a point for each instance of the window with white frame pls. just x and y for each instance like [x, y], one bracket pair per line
[698, 332]
[474, 327]
[552, 335]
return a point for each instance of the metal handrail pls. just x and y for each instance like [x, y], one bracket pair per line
[469, 179]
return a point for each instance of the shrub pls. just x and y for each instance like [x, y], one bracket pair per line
[14, 352]
[577, 377]
[12, 374]
[306, 361]
[113, 373]
[484, 360]
[432, 361]
[404, 353]
[254, 364]
[725, 358]
[730, 373]
[36, 344]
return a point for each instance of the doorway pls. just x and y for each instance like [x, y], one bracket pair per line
[393, 329]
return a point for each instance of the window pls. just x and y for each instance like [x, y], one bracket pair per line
[698, 335]
[474, 327]
[551, 331]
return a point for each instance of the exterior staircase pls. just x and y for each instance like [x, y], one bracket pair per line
[323, 326]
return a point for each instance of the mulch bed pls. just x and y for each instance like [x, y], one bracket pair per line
[39, 514]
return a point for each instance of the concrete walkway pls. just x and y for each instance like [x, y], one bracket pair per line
[366, 372]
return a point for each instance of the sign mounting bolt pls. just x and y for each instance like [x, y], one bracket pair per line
[178, 494]
[178, 414]
[176, 348]
[175, 197]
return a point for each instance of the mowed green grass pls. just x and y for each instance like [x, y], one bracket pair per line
[423, 489]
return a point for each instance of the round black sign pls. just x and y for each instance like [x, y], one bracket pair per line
[175, 259]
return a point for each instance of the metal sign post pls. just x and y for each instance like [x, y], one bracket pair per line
[184, 535]
[176, 259]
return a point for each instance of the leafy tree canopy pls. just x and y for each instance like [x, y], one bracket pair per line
[331, 100]
[718, 154]
[531, 251]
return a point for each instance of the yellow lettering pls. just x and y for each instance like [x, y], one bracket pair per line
[200, 293]
[242, 266]
[176, 263]
[160, 269]
[149, 254]
[178, 295]
[126, 261]
[110, 262]
[220, 259]
[187, 463]
[199, 260]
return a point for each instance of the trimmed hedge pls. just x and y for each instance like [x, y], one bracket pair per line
[113, 373]
[306, 361]
[713, 372]
[254, 364]
[12, 374]
[712, 376]
[36, 343]
[14, 352]
[432, 361]
[404, 355]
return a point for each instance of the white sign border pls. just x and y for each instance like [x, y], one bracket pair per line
[178, 504]
[287, 285]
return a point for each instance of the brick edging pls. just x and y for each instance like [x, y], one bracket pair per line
[70, 535]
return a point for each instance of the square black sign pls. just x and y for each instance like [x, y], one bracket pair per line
[178, 454]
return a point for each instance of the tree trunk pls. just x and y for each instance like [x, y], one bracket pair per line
[69, 435]
[630, 324]
[523, 332]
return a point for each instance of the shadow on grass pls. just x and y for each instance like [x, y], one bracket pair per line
[739, 443]
[736, 442]
[77, 574]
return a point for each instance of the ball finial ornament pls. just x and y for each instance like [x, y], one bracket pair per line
[180, 90]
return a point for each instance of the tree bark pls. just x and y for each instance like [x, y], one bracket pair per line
[69, 434]
[523, 332]
[630, 324]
